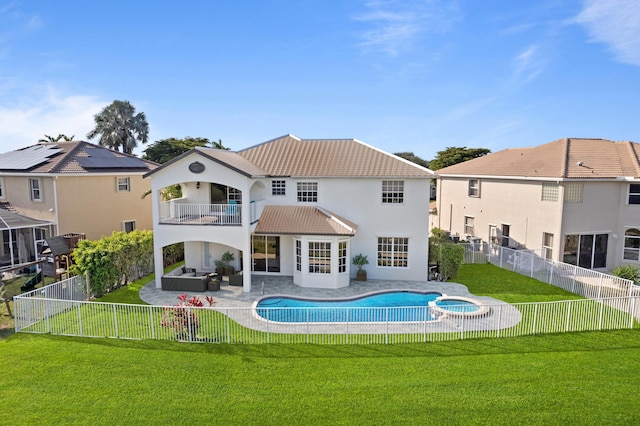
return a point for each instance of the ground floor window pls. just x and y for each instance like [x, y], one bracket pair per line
[298, 255]
[632, 245]
[393, 252]
[129, 226]
[547, 245]
[319, 257]
[342, 256]
[265, 250]
[586, 250]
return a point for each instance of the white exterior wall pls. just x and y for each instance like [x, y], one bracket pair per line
[237, 237]
[359, 200]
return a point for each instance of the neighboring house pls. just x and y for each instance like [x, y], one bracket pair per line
[296, 207]
[74, 187]
[573, 200]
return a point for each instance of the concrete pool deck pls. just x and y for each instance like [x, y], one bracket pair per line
[229, 299]
[233, 297]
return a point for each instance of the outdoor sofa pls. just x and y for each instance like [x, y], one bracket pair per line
[188, 279]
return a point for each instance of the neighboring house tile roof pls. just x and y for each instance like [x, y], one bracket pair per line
[11, 220]
[291, 156]
[570, 158]
[69, 158]
[307, 220]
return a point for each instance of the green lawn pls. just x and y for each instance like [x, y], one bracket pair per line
[577, 378]
[570, 378]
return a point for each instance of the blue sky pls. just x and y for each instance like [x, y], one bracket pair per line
[411, 75]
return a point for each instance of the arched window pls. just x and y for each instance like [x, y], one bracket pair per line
[632, 245]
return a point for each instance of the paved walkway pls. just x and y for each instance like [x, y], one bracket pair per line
[231, 296]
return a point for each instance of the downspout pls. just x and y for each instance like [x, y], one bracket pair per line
[55, 203]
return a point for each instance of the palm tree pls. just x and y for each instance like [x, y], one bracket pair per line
[60, 137]
[119, 126]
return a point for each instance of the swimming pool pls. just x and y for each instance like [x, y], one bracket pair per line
[392, 306]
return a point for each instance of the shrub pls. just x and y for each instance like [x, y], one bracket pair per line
[627, 272]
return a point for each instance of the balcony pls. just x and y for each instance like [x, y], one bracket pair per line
[180, 212]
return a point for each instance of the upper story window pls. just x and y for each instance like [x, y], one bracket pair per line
[1, 187]
[632, 245]
[573, 192]
[634, 193]
[392, 191]
[307, 192]
[35, 189]
[123, 184]
[234, 195]
[278, 187]
[549, 191]
[474, 187]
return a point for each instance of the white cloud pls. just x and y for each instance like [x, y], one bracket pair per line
[51, 113]
[615, 23]
[528, 64]
[394, 25]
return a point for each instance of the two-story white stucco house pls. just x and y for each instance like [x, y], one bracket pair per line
[576, 200]
[296, 207]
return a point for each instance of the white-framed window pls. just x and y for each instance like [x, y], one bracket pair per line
[319, 257]
[632, 245]
[392, 191]
[123, 184]
[469, 227]
[586, 250]
[1, 187]
[474, 188]
[35, 189]
[549, 191]
[129, 225]
[234, 194]
[298, 255]
[342, 256]
[547, 245]
[278, 187]
[634, 193]
[573, 192]
[307, 192]
[393, 252]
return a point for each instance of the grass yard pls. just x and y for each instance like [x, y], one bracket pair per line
[569, 378]
[577, 378]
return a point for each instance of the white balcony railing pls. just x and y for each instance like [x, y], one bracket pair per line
[200, 214]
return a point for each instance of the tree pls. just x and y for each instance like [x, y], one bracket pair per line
[454, 155]
[166, 149]
[410, 156]
[120, 127]
[58, 138]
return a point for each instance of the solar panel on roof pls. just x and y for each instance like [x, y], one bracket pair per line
[24, 159]
[110, 163]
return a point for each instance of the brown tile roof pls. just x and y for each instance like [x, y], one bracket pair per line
[291, 156]
[571, 158]
[70, 155]
[303, 220]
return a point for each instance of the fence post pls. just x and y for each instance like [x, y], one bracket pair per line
[499, 321]
[115, 321]
[386, 334]
[575, 274]
[568, 315]
[153, 328]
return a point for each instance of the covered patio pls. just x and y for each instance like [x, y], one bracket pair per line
[22, 238]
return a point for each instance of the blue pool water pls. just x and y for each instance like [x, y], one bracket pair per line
[381, 307]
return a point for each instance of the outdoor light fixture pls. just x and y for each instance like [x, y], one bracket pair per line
[198, 185]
